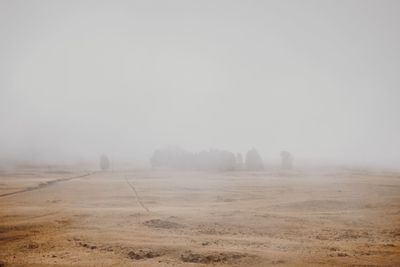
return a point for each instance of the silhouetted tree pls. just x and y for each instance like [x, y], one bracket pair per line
[254, 161]
[157, 159]
[104, 163]
[239, 161]
[287, 160]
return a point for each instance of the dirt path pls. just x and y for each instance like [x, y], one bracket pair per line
[137, 196]
[45, 184]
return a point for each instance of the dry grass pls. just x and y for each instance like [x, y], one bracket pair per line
[194, 218]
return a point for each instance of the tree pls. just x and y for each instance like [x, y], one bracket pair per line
[239, 161]
[254, 161]
[286, 160]
[104, 163]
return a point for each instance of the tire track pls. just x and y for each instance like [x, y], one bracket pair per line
[137, 195]
[45, 184]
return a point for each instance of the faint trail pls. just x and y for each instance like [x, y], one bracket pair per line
[137, 195]
[45, 184]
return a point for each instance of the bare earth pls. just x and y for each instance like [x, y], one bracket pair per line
[63, 217]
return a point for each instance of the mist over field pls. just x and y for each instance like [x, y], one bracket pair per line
[123, 78]
[199, 133]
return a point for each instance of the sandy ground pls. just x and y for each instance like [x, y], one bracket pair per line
[162, 218]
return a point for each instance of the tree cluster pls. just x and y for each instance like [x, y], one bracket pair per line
[178, 158]
[213, 159]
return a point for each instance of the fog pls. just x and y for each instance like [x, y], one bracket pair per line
[320, 79]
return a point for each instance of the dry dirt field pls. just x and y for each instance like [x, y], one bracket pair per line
[65, 217]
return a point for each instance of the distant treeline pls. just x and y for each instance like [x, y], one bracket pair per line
[212, 159]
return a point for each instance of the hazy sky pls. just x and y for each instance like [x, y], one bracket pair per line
[317, 78]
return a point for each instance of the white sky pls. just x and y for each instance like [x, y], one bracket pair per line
[317, 78]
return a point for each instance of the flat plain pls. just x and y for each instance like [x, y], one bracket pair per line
[62, 216]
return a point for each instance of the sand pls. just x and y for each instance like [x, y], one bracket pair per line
[74, 217]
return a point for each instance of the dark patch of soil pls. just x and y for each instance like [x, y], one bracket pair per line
[209, 258]
[33, 245]
[278, 262]
[85, 245]
[143, 254]
[157, 223]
